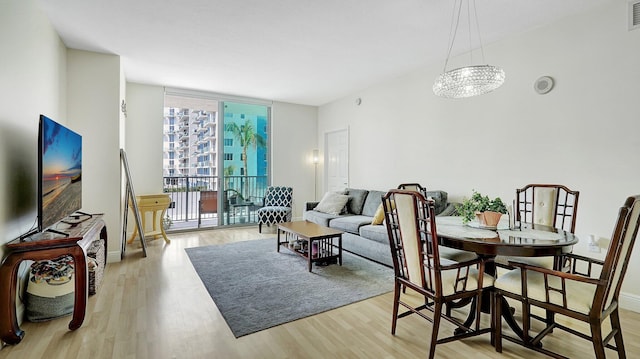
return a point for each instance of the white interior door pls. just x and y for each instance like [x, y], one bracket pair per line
[336, 161]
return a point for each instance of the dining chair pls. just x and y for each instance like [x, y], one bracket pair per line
[208, 203]
[413, 239]
[413, 187]
[277, 206]
[552, 205]
[547, 204]
[580, 293]
[453, 254]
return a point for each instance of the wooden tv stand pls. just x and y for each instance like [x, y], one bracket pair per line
[80, 238]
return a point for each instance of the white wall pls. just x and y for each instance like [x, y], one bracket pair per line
[33, 72]
[94, 93]
[292, 144]
[583, 134]
[144, 137]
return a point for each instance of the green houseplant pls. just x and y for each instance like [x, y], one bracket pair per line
[167, 222]
[477, 205]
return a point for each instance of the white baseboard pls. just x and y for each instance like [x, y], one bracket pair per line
[630, 302]
[113, 256]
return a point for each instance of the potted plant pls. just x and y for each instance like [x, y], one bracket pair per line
[167, 222]
[487, 211]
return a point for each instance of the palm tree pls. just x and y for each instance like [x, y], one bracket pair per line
[247, 136]
[228, 172]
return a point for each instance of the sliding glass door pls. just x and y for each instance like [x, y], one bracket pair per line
[215, 159]
[245, 159]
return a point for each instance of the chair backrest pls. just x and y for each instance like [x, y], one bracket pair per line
[548, 204]
[413, 187]
[208, 201]
[618, 254]
[411, 227]
[278, 196]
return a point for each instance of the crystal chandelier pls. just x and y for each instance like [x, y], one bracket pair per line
[471, 80]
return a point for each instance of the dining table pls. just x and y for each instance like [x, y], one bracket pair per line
[505, 239]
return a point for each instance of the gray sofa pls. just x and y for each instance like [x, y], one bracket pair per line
[360, 236]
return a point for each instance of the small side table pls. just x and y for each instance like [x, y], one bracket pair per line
[157, 204]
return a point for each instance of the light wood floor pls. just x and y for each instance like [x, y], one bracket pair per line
[157, 307]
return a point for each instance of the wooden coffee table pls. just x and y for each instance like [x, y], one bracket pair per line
[311, 241]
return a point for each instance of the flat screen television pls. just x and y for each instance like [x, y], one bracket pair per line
[60, 173]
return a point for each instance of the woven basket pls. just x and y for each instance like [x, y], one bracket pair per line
[96, 266]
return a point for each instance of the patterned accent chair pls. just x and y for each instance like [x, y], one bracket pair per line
[277, 206]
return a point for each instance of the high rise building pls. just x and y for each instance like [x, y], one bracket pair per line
[190, 142]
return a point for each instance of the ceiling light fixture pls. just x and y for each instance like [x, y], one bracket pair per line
[471, 80]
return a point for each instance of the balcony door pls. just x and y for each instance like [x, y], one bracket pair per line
[245, 160]
[215, 159]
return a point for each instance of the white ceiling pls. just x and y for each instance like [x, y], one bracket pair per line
[299, 51]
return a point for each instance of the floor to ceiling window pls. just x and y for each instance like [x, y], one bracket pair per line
[215, 159]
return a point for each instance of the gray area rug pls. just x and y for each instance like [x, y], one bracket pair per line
[256, 288]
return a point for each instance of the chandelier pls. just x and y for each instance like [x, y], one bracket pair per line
[471, 80]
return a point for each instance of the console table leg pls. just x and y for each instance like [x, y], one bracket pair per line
[10, 332]
[82, 289]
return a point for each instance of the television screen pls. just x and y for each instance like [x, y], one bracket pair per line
[60, 170]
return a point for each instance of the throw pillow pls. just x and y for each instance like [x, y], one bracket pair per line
[378, 218]
[332, 203]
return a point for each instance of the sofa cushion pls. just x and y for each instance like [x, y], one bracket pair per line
[349, 223]
[374, 198]
[440, 197]
[332, 203]
[318, 217]
[356, 200]
[377, 233]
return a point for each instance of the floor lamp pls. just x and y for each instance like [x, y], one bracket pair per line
[315, 159]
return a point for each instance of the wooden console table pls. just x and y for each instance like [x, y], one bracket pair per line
[48, 247]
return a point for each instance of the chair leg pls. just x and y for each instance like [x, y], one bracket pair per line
[598, 345]
[526, 322]
[615, 325]
[259, 227]
[492, 300]
[396, 303]
[437, 314]
[478, 310]
[497, 321]
[551, 319]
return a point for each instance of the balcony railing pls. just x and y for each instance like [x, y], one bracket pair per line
[184, 191]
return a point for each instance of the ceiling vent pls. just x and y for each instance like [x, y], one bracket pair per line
[634, 15]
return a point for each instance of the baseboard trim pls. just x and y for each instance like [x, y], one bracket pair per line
[113, 256]
[630, 302]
